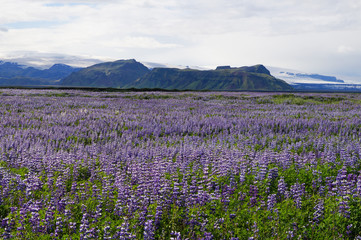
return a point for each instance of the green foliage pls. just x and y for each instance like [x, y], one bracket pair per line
[292, 99]
[229, 211]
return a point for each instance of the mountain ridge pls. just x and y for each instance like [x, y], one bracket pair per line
[12, 73]
[132, 74]
[109, 74]
[243, 78]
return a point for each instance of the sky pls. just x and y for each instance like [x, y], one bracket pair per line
[314, 36]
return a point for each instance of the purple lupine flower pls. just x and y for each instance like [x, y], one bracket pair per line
[107, 234]
[253, 192]
[175, 235]
[290, 234]
[358, 186]
[35, 218]
[84, 227]
[297, 191]
[72, 227]
[348, 229]
[342, 191]
[218, 223]
[123, 232]
[7, 226]
[158, 215]
[271, 202]
[329, 183]
[208, 236]
[98, 213]
[49, 219]
[319, 211]
[344, 206]
[262, 172]
[255, 231]
[273, 174]
[59, 227]
[149, 230]
[282, 188]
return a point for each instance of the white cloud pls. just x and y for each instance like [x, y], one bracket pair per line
[345, 49]
[45, 60]
[141, 42]
[304, 35]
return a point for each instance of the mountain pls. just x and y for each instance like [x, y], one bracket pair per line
[12, 74]
[109, 74]
[9, 70]
[296, 77]
[315, 76]
[327, 87]
[25, 81]
[223, 78]
[57, 71]
[132, 74]
[314, 82]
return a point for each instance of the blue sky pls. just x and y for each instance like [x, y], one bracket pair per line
[321, 36]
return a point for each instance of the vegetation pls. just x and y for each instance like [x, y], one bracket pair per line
[176, 165]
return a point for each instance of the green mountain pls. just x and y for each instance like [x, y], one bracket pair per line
[13, 74]
[25, 81]
[110, 74]
[132, 74]
[223, 78]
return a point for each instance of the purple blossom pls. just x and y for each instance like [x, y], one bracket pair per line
[141, 160]
[149, 230]
[297, 190]
[271, 202]
[319, 212]
[282, 187]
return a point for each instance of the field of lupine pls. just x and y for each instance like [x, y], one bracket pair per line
[185, 165]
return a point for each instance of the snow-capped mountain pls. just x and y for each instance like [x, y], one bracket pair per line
[296, 77]
[46, 60]
[301, 81]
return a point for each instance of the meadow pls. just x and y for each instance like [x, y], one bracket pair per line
[179, 165]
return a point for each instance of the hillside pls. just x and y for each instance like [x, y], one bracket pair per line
[13, 74]
[25, 81]
[223, 78]
[110, 74]
[132, 74]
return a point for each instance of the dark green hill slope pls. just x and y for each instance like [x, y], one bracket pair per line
[110, 74]
[25, 81]
[223, 78]
[13, 74]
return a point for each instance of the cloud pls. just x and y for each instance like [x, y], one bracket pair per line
[45, 60]
[301, 35]
[345, 49]
[142, 42]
